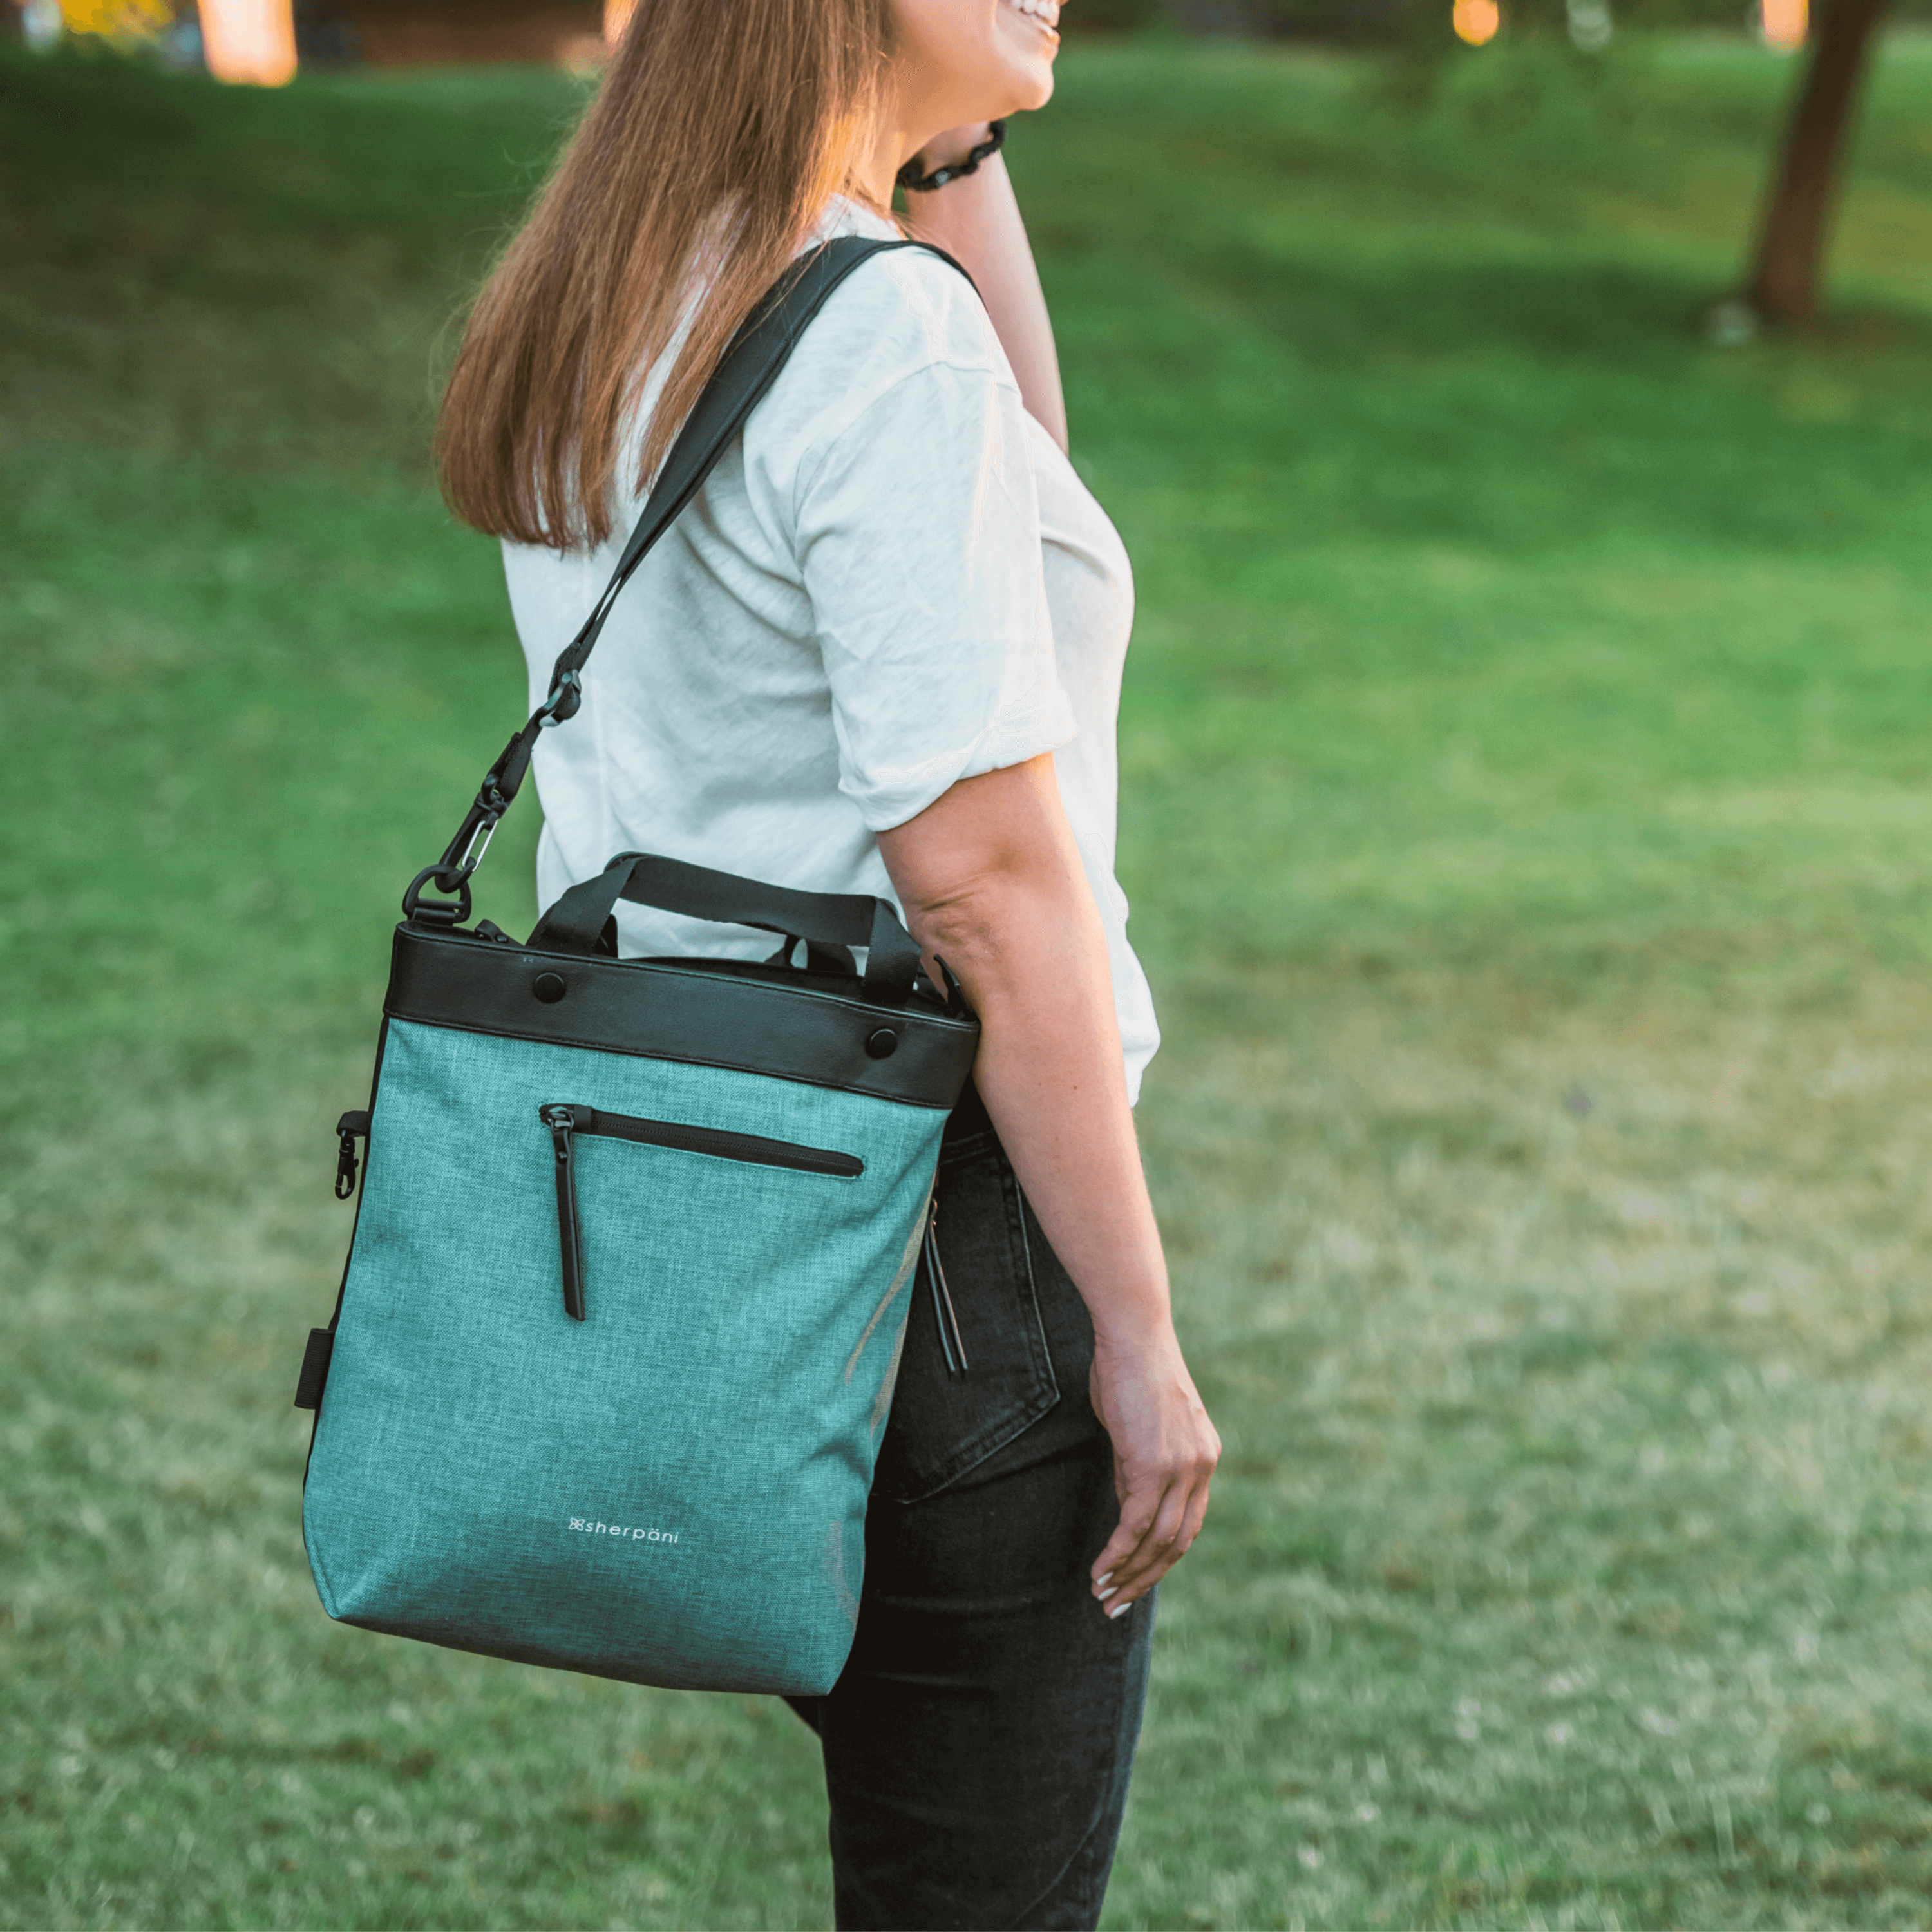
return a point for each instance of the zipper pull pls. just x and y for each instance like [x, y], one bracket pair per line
[935, 1273]
[348, 1129]
[561, 1122]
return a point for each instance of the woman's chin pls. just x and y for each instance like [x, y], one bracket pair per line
[1031, 82]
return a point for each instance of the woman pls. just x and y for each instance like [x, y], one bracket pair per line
[881, 652]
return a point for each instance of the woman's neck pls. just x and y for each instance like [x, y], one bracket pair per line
[874, 170]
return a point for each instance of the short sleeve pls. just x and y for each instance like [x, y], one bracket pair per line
[919, 543]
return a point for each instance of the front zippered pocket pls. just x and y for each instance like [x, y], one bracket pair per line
[567, 1119]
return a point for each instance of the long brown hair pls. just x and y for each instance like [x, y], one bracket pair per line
[722, 129]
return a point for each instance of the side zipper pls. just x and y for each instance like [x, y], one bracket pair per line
[562, 1123]
[312, 1381]
[954, 1343]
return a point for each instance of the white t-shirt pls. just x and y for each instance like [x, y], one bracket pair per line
[893, 580]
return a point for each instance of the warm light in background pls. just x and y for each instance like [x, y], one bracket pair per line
[1783, 22]
[616, 13]
[1476, 21]
[121, 20]
[249, 42]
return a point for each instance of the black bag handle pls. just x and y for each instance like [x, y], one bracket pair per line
[748, 369]
[575, 923]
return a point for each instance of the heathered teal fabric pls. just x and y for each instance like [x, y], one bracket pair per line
[674, 1490]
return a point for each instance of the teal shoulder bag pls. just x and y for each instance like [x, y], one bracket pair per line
[634, 1253]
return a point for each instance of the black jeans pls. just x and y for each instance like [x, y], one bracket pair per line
[978, 1743]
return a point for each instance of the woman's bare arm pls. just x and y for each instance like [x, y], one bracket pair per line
[977, 221]
[990, 877]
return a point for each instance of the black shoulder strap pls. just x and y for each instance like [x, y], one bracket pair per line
[748, 369]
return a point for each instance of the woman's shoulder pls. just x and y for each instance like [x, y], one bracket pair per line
[913, 295]
[923, 308]
[904, 317]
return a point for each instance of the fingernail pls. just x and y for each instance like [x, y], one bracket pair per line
[1121, 1609]
[1100, 1580]
[1105, 1594]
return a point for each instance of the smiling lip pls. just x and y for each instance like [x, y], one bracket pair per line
[1045, 14]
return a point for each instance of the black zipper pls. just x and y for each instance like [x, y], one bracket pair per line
[565, 1121]
[561, 1122]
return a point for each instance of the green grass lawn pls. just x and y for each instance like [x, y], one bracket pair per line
[1527, 757]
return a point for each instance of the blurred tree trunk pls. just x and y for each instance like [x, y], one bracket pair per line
[1784, 281]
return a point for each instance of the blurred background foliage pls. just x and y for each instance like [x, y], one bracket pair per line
[320, 23]
[1526, 789]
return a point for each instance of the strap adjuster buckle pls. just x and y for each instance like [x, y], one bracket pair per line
[566, 696]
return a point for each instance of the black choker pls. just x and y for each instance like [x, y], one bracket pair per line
[913, 182]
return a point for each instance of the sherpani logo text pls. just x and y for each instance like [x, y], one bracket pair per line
[590, 1528]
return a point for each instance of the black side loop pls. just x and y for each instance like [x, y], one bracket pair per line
[955, 993]
[420, 911]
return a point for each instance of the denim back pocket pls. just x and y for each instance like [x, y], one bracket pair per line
[942, 1425]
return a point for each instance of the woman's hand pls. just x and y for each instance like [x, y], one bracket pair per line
[1164, 1453]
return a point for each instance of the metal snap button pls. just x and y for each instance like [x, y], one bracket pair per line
[882, 1045]
[550, 988]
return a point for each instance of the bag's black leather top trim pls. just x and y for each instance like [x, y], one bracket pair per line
[662, 1011]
